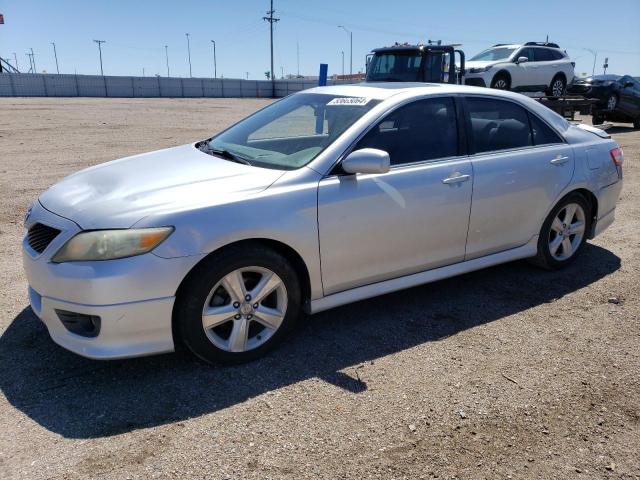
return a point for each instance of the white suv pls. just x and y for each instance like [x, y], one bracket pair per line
[532, 67]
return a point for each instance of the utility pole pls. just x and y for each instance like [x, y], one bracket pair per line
[271, 19]
[351, 48]
[15, 57]
[30, 62]
[55, 54]
[342, 62]
[100, 42]
[33, 60]
[215, 68]
[189, 53]
[166, 54]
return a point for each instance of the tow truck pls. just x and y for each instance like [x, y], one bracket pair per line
[434, 62]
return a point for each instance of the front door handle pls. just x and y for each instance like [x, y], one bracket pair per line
[456, 178]
[559, 160]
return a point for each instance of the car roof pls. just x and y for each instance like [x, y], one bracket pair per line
[387, 90]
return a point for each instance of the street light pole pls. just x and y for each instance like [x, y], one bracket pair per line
[215, 68]
[595, 56]
[342, 62]
[100, 42]
[166, 54]
[189, 53]
[350, 47]
[15, 57]
[55, 54]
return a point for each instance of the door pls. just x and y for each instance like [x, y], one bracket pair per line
[413, 218]
[520, 165]
[547, 65]
[525, 74]
[629, 96]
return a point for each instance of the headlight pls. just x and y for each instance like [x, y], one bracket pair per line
[111, 244]
[479, 70]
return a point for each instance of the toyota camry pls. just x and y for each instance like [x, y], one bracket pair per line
[328, 196]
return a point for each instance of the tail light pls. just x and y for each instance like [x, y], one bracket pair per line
[616, 156]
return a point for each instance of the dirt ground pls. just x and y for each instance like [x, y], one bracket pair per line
[509, 372]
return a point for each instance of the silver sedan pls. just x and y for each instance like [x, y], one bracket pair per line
[328, 196]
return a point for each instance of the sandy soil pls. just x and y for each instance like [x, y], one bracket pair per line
[510, 372]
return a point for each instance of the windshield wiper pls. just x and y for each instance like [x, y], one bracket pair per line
[234, 157]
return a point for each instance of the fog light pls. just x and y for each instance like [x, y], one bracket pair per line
[79, 323]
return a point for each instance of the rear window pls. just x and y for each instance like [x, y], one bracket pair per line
[498, 125]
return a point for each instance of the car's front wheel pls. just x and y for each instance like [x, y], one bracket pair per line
[612, 102]
[238, 304]
[501, 82]
[563, 233]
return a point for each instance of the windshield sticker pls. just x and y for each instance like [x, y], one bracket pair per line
[349, 101]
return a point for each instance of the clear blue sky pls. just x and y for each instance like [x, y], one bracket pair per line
[137, 30]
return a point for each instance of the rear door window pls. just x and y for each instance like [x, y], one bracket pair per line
[422, 130]
[543, 55]
[497, 125]
[542, 133]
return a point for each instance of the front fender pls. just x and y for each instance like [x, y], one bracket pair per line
[286, 212]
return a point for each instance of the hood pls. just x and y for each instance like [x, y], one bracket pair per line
[118, 194]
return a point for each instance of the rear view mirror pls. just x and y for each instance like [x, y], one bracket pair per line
[522, 60]
[367, 160]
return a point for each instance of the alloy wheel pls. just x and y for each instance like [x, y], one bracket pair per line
[244, 309]
[500, 84]
[611, 102]
[557, 88]
[567, 231]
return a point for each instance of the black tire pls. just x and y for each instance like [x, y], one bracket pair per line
[597, 119]
[636, 123]
[562, 86]
[501, 82]
[194, 291]
[544, 258]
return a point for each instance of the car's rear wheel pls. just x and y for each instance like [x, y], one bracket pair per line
[238, 304]
[557, 87]
[501, 82]
[563, 233]
[636, 123]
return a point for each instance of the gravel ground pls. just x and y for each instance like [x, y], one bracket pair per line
[510, 372]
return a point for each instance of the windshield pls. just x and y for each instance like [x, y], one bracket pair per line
[289, 133]
[395, 66]
[500, 53]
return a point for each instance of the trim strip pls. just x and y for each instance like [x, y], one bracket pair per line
[368, 291]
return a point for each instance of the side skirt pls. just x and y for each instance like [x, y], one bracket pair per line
[368, 291]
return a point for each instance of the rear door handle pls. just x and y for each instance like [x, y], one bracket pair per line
[456, 178]
[559, 160]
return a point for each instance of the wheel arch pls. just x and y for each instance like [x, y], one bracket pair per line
[592, 200]
[502, 73]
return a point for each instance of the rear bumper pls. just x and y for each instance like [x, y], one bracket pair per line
[607, 199]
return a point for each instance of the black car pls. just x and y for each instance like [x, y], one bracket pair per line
[618, 97]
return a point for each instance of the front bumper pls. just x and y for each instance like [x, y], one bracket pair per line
[475, 81]
[132, 296]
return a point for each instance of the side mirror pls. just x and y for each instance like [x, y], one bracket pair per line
[367, 160]
[522, 60]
